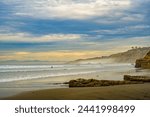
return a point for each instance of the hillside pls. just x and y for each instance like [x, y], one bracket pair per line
[129, 56]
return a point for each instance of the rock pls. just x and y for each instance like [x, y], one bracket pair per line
[66, 83]
[144, 62]
[137, 78]
[97, 83]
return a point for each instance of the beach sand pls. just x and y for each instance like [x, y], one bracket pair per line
[120, 92]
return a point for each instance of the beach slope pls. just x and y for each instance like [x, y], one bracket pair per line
[120, 92]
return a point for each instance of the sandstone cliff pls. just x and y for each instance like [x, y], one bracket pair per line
[144, 62]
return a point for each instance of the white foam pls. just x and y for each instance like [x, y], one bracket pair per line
[44, 76]
[10, 73]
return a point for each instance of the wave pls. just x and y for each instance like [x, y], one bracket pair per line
[9, 73]
[44, 76]
[28, 66]
[18, 68]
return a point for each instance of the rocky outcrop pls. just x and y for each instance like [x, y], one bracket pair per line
[144, 62]
[98, 83]
[137, 78]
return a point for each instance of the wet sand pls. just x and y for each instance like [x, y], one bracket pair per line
[120, 92]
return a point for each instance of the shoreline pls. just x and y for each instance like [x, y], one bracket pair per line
[51, 88]
[119, 92]
[15, 87]
[45, 85]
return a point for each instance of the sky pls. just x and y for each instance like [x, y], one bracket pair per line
[55, 30]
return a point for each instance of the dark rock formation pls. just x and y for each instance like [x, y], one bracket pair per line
[144, 62]
[137, 78]
[98, 83]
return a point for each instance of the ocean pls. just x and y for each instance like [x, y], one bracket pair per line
[9, 73]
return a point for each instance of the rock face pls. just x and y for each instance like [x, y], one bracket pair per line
[144, 62]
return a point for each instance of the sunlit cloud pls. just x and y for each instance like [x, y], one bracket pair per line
[86, 50]
[52, 56]
[24, 37]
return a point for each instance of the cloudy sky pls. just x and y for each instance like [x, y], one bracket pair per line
[71, 29]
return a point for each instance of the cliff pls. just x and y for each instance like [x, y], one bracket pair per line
[144, 62]
[129, 56]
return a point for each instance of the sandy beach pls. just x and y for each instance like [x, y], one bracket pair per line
[121, 92]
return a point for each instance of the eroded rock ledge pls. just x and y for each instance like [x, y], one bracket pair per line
[137, 78]
[98, 83]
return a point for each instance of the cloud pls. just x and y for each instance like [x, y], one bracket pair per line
[115, 45]
[51, 56]
[124, 42]
[81, 28]
[24, 37]
[132, 18]
[67, 9]
[124, 30]
[74, 50]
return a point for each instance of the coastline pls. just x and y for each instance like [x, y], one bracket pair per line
[119, 92]
[52, 87]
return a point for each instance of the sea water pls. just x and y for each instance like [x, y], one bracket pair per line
[9, 73]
